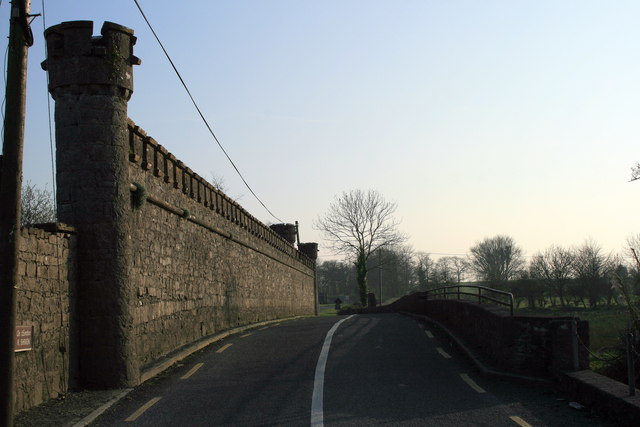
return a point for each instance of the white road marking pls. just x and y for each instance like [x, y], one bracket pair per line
[520, 421]
[192, 371]
[142, 409]
[223, 348]
[317, 399]
[443, 353]
[429, 334]
[246, 335]
[101, 410]
[472, 383]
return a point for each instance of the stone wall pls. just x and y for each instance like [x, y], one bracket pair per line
[164, 258]
[46, 269]
[202, 263]
[531, 345]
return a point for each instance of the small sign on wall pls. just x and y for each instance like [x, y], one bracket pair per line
[24, 338]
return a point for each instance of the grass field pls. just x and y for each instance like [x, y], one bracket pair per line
[606, 327]
[327, 310]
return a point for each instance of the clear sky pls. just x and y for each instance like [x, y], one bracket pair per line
[477, 117]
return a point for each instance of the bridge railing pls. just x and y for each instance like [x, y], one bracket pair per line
[480, 294]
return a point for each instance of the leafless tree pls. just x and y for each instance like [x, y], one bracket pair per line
[460, 266]
[218, 182]
[496, 259]
[632, 253]
[554, 267]
[592, 268]
[357, 224]
[37, 205]
[444, 271]
[635, 172]
[424, 270]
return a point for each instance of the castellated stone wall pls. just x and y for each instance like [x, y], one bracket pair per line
[163, 258]
[217, 269]
[46, 268]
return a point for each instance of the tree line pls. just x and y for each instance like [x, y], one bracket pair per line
[361, 225]
[581, 276]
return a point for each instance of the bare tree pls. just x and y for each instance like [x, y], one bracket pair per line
[496, 259]
[335, 279]
[357, 224]
[443, 273]
[405, 270]
[555, 268]
[460, 266]
[424, 270]
[218, 182]
[392, 271]
[592, 269]
[37, 205]
[635, 172]
[633, 254]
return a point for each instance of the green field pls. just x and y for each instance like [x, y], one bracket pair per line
[607, 325]
[327, 310]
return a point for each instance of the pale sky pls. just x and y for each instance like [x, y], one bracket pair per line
[477, 117]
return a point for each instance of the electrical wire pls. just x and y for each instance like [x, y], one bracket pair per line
[51, 150]
[200, 112]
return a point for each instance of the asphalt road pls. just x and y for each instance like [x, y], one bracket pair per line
[380, 369]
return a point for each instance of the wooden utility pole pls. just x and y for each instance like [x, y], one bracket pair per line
[20, 38]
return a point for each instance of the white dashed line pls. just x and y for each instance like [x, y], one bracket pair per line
[142, 409]
[429, 334]
[520, 421]
[192, 371]
[472, 383]
[443, 353]
[223, 348]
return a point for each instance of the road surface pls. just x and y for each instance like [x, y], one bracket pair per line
[367, 370]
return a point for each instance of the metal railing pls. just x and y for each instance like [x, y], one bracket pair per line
[480, 294]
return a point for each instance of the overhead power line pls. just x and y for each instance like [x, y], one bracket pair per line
[51, 149]
[200, 112]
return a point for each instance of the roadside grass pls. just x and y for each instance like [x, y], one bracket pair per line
[606, 325]
[326, 310]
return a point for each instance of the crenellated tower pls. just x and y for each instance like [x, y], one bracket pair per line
[91, 81]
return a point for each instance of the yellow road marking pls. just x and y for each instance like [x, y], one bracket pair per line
[246, 335]
[520, 421]
[443, 353]
[223, 348]
[192, 371]
[429, 334]
[142, 409]
[472, 383]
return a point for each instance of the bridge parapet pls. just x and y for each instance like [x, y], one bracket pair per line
[529, 345]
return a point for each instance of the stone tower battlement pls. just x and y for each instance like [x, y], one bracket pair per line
[76, 57]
